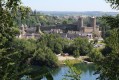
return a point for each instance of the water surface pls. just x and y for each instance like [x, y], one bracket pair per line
[87, 73]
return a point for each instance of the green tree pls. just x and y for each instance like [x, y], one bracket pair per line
[114, 3]
[44, 57]
[108, 66]
[95, 55]
[65, 22]
[76, 53]
[57, 48]
[103, 26]
[73, 73]
[10, 58]
[83, 45]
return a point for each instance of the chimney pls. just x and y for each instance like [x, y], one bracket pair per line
[93, 23]
[80, 23]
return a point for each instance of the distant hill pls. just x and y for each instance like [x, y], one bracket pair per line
[85, 13]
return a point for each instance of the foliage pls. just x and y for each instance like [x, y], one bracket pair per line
[16, 54]
[74, 72]
[76, 53]
[35, 17]
[37, 73]
[58, 48]
[44, 57]
[108, 65]
[103, 26]
[95, 55]
[78, 46]
[83, 45]
[112, 21]
[114, 3]
[9, 57]
[54, 42]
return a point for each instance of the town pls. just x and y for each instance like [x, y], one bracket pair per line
[69, 31]
[59, 40]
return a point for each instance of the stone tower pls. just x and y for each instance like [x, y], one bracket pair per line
[38, 28]
[93, 23]
[80, 23]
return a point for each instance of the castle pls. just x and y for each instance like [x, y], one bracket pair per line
[87, 29]
[69, 31]
[93, 29]
[27, 33]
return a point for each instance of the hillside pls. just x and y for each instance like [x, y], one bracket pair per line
[85, 13]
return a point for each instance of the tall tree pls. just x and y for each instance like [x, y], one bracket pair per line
[109, 63]
[8, 64]
[114, 3]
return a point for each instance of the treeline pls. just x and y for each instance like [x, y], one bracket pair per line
[19, 55]
[107, 59]
[42, 52]
[35, 17]
[53, 44]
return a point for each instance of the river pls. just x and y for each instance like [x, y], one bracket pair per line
[87, 72]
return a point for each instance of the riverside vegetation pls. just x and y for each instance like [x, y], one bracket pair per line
[18, 56]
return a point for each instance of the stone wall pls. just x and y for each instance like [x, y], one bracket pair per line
[88, 29]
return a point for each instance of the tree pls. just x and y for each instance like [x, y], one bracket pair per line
[73, 73]
[83, 45]
[95, 55]
[108, 66]
[65, 22]
[103, 26]
[57, 48]
[111, 21]
[9, 57]
[114, 3]
[76, 53]
[44, 57]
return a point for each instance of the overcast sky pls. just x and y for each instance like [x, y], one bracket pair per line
[68, 5]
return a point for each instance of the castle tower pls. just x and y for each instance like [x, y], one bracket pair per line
[93, 23]
[38, 28]
[80, 23]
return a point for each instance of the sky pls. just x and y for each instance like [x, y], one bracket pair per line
[68, 5]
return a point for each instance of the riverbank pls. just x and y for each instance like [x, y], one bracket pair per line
[73, 60]
[63, 58]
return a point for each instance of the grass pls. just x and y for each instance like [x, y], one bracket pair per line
[74, 61]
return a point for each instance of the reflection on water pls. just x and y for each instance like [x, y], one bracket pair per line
[86, 69]
[58, 73]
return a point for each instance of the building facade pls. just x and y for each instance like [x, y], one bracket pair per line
[69, 31]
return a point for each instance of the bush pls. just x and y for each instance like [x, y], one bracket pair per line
[76, 53]
[44, 56]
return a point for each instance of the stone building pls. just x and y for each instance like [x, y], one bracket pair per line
[69, 31]
[32, 32]
[88, 29]
[72, 31]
